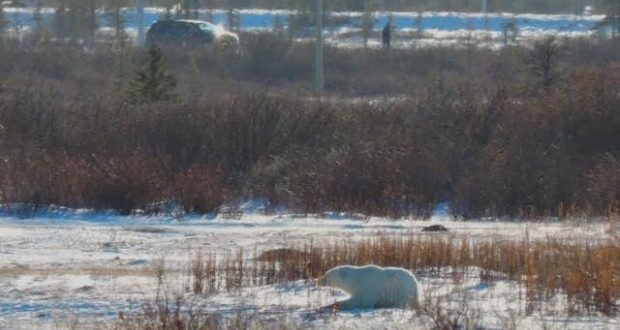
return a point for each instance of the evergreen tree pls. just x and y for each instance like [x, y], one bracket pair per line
[612, 19]
[301, 16]
[122, 45]
[233, 19]
[209, 5]
[278, 27]
[293, 27]
[367, 22]
[76, 20]
[154, 83]
[418, 25]
[60, 20]
[543, 61]
[189, 9]
[38, 23]
[168, 12]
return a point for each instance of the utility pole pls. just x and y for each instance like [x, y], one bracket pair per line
[485, 10]
[140, 21]
[318, 78]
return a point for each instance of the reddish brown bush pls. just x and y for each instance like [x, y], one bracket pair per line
[201, 190]
[489, 146]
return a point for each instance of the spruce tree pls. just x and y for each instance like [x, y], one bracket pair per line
[301, 16]
[154, 83]
[60, 20]
[612, 19]
[209, 5]
[122, 46]
[278, 26]
[76, 20]
[367, 22]
[233, 19]
[38, 23]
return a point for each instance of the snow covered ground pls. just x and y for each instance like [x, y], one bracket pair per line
[62, 267]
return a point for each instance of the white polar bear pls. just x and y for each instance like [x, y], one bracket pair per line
[374, 287]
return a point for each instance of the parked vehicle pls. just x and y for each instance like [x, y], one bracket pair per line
[190, 33]
[12, 4]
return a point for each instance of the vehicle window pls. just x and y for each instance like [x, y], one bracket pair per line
[179, 29]
[206, 27]
[193, 29]
[158, 27]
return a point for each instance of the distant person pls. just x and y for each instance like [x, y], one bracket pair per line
[387, 35]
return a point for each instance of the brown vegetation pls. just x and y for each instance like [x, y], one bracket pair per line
[486, 131]
[581, 276]
[587, 275]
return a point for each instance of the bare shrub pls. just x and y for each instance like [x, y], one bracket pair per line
[263, 54]
[462, 316]
[126, 183]
[462, 133]
[604, 184]
[201, 190]
[169, 313]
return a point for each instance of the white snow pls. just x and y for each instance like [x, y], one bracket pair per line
[66, 264]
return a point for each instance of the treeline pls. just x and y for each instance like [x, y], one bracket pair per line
[517, 132]
[79, 21]
[530, 6]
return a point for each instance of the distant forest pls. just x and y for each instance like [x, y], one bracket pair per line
[531, 6]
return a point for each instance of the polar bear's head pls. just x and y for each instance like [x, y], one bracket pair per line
[336, 277]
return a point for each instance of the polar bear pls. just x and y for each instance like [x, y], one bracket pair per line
[374, 287]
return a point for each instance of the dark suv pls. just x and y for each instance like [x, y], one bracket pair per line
[192, 33]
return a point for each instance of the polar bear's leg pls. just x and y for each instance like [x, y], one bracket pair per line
[346, 304]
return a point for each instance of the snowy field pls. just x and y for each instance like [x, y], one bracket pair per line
[67, 268]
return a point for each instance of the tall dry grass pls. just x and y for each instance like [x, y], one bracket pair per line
[581, 276]
[586, 275]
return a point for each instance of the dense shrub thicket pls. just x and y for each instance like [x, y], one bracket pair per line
[487, 132]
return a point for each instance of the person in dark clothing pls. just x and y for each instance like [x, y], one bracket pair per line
[387, 35]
